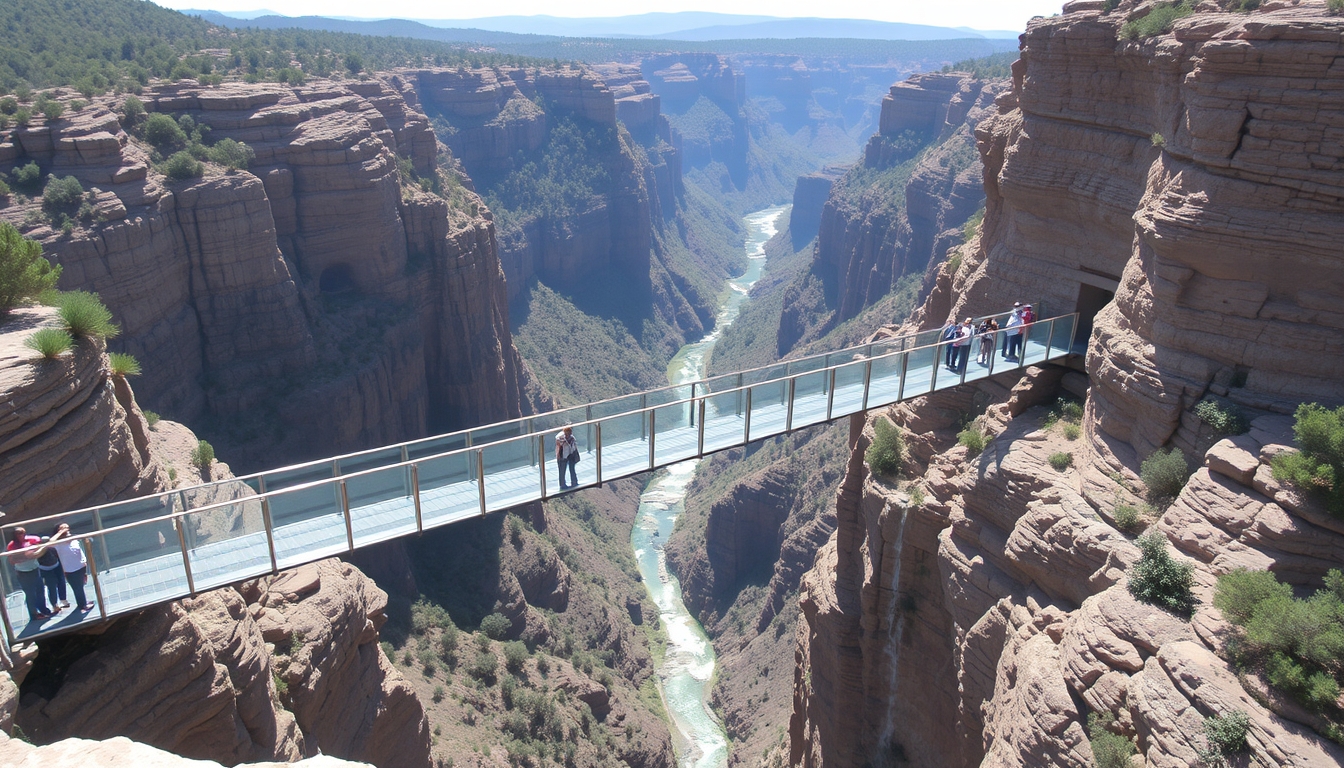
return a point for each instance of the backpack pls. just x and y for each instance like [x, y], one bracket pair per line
[951, 332]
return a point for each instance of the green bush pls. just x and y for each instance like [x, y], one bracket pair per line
[886, 456]
[972, 439]
[515, 655]
[182, 166]
[132, 110]
[438, 694]
[1127, 517]
[1223, 417]
[1061, 460]
[124, 365]
[484, 667]
[1226, 735]
[49, 342]
[495, 626]
[234, 155]
[62, 195]
[1318, 467]
[27, 178]
[52, 110]
[9, 105]
[1110, 750]
[203, 455]
[164, 133]
[1159, 579]
[1335, 7]
[23, 117]
[972, 225]
[1164, 474]
[1158, 21]
[1072, 431]
[85, 316]
[1301, 642]
[24, 274]
[152, 419]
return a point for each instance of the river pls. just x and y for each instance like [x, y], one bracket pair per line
[688, 661]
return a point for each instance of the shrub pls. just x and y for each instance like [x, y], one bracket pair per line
[203, 455]
[24, 274]
[515, 654]
[1164, 474]
[9, 105]
[1061, 460]
[85, 316]
[182, 166]
[1335, 7]
[1226, 735]
[1110, 750]
[1318, 467]
[484, 667]
[496, 626]
[972, 439]
[52, 110]
[886, 455]
[23, 117]
[124, 365]
[4, 188]
[1161, 580]
[234, 155]
[543, 666]
[438, 694]
[1158, 21]
[132, 110]
[448, 643]
[164, 133]
[27, 177]
[1158, 140]
[1127, 517]
[62, 195]
[1072, 431]
[972, 225]
[152, 419]
[1071, 411]
[1239, 592]
[49, 342]
[1223, 417]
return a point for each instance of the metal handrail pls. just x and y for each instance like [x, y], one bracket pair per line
[335, 460]
[411, 466]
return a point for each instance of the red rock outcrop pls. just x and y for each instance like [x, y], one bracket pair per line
[234, 286]
[77, 753]
[981, 623]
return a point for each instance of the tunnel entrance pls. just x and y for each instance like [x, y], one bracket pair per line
[1091, 299]
[338, 278]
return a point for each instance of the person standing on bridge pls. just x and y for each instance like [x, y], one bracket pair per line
[1013, 334]
[27, 551]
[567, 456]
[965, 337]
[74, 564]
[986, 332]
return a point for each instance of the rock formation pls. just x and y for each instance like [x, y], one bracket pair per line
[228, 286]
[1158, 187]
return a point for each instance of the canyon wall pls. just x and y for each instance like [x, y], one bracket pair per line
[1175, 191]
[321, 264]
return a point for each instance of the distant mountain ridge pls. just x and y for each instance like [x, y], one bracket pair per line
[689, 25]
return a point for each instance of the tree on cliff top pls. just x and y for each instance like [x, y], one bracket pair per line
[23, 272]
[1318, 467]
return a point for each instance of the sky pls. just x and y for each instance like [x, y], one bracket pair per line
[977, 14]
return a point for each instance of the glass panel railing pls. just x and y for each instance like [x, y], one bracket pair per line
[381, 504]
[920, 369]
[625, 447]
[769, 409]
[1037, 343]
[512, 476]
[848, 397]
[1061, 337]
[145, 567]
[495, 433]
[809, 398]
[676, 436]
[226, 543]
[723, 420]
[308, 523]
[884, 381]
[619, 405]
[448, 489]
[982, 349]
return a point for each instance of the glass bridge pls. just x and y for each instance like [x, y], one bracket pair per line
[174, 544]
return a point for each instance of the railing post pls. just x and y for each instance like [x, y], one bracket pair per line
[691, 404]
[533, 454]
[701, 430]
[830, 394]
[867, 380]
[480, 474]
[788, 411]
[345, 512]
[97, 585]
[269, 527]
[643, 406]
[1050, 340]
[652, 430]
[186, 561]
[98, 526]
[746, 421]
[541, 448]
[415, 495]
[599, 454]
[937, 364]
[739, 394]
[905, 368]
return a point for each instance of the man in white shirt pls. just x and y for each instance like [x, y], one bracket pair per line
[1012, 338]
[567, 455]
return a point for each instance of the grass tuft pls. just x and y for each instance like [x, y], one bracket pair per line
[124, 365]
[85, 316]
[886, 456]
[51, 343]
[1061, 460]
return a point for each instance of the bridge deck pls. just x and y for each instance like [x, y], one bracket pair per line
[171, 545]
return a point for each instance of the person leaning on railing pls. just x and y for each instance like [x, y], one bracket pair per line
[73, 564]
[27, 550]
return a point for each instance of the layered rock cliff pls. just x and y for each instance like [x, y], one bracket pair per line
[323, 263]
[1170, 189]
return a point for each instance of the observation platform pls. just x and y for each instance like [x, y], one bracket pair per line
[171, 545]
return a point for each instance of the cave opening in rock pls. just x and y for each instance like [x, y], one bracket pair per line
[1091, 298]
[338, 278]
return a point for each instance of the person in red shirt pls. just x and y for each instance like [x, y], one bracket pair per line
[27, 550]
